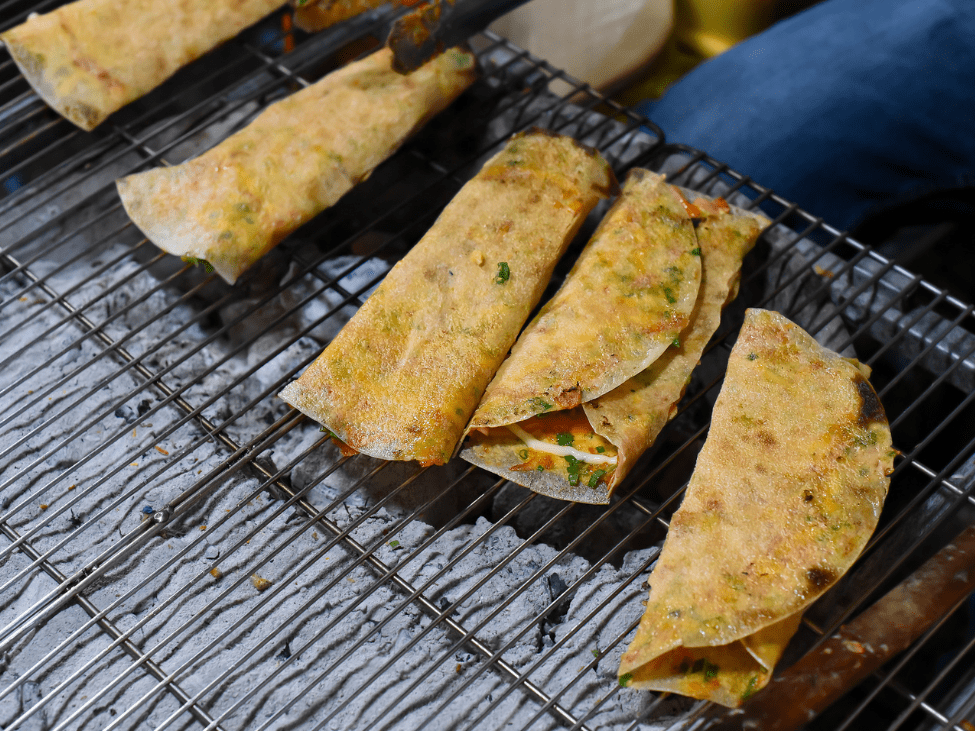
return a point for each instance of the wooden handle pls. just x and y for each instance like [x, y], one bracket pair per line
[879, 633]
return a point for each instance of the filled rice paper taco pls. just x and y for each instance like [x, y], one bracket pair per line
[786, 492]
[90, 58]
[578, 444]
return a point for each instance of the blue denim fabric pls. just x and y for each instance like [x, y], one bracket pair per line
[845, 108]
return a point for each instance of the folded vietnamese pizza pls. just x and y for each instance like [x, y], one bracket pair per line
[597, 375]
[402, 378]
[237, 201]
[786, 492]
[90, 58]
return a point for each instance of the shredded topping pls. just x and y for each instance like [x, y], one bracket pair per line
[562, 451]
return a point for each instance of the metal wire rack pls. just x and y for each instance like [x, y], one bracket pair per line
[182, 550]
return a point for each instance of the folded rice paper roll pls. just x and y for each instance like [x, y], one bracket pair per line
[632, 415]
[313, 16]
[237, 201]
[402, 378]
[579, 443]
[787, 490]
[90, 58]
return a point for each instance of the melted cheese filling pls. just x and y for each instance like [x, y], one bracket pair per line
[556, 449]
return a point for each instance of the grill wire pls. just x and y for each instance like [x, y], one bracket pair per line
[182, 550]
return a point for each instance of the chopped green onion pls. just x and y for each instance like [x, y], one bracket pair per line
[697, 251]
[600, 450]
[193, 261]
[564, 439]
[540, 403]
[504, 273]
[594, 480]
[625, 679]
[750, 689]
[573, 469]
[523, 453]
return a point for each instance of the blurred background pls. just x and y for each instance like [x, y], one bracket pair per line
[634, 50]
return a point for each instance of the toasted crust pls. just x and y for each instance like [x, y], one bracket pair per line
[786, 492]
[401, 380]
[236, 202]
[90, 58]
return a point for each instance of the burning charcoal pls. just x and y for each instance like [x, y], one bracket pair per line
[555, 585]
[126, 412]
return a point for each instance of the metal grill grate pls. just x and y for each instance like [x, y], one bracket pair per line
[182, 550]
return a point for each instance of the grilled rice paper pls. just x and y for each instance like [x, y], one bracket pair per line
[237, 201]
[632, 415]
[620, 424]
[787, 489]
[313, 16]
[90, 58]
[402, 378]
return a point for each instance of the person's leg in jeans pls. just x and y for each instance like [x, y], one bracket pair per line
[845, 108]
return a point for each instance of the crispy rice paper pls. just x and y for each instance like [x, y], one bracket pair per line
[402, 378]
[632, 415]
[623, 422]
[237, 201]
[90, 58]
[787, 490]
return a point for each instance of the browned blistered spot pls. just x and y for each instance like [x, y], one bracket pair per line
[766, 438]
[871, 410]
[568, 398]
[819, 577]
[807, 496]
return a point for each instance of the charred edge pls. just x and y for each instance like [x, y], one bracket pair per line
[819, 578]
[871, 410]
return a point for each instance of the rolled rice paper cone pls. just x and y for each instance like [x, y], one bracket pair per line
[786, 492]
[402, 378]
[90, 58]
[237, 201]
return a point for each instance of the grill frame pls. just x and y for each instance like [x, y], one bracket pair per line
[940, 347]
